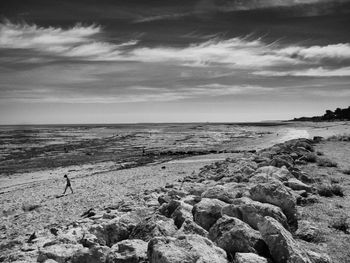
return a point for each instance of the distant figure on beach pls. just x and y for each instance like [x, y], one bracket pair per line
[68, 185]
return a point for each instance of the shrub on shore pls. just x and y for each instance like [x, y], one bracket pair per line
[326, 162]
[346, 171]
[329, 190]
[341, 224]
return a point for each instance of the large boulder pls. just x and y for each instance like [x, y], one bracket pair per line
[219, 192]
[128, 251]
[276, 193]
[253, 212]
[297, 185]
[207, 212]
[96, 254]
[249, 258]
[233, 235]
[156, 225]
[58, 252]
[190, 227]
[272, 172]
[283, 248]
[115, 230]
[184, 249]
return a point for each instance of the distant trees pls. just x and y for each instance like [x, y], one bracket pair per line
[338, 114]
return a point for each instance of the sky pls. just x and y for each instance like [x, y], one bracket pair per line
[117, 61]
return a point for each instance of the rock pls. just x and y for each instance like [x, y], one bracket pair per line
[253, 212]
[233, 235]
[164, 198]
[276, 193]
[282, 246]
[90, 240]
[97, 254]
[219, 192]
[191, 199]
[190, 227]
[282, 160]
[297, 185]
[207, 211]
[318, 257]
[312, 199]
[177, 193]
[249, 258]
[184, 249]
[181, 213]
[280, 174]
[308, 231]
[59, 252]
[116, 229]
[166, 209]
[128, 251]
[196, 189]
[156, 225]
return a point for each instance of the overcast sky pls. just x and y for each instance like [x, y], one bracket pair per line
[114, 61]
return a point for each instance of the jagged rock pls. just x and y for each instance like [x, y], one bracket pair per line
[191, 199]
[253, 212]
[164, 198]
[207, 211]
[276, 193]
[181, 213]
[196, 189]
[219, 192]
[166, 209]
[297, 185]
[233, 235]
[59, 252]
[156, 225]
[249, 258]
[307, 231]
[280, 174]
[116, 229]
[90, 240]
[190, 227]
[282, 160]
[96, 254]
[128, 251]
[318, 257]
[283, 247]
[187, 248]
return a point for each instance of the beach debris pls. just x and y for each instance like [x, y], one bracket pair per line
[89, 213]
[31, 238]
[54, 231]
[29, 207]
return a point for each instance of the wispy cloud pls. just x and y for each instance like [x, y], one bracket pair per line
[312, 72]
[134, 94]
[85, 43]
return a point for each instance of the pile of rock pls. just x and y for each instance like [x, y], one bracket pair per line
[242, 210]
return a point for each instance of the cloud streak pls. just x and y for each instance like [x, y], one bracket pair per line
[312, 72]
[85, 43]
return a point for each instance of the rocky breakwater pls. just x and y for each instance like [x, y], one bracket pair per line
[241, 210]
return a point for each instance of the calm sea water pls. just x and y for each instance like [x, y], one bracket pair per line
[26, 148]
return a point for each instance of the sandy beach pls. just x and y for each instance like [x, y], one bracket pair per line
[30, 204]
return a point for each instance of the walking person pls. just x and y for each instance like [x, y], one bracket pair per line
[67, 185]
